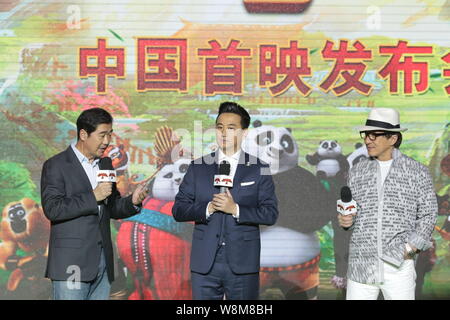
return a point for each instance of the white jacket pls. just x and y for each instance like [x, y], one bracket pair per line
[402, 210]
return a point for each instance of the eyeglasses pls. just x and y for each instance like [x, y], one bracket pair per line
[373, 135]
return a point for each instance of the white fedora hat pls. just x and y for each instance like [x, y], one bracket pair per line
[384, 119]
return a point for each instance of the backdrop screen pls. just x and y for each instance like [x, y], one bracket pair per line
[308, 72]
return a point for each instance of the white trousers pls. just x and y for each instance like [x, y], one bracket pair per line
[399, 284]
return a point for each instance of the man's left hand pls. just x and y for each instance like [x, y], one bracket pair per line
[406, 252]
[224, 202]
[139, 194]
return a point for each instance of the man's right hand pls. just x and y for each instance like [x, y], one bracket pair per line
[211, 208]
[346, 221]
[103, 191]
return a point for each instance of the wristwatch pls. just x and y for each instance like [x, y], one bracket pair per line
[410, 253]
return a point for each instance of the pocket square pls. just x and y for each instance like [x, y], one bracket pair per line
[243, 184]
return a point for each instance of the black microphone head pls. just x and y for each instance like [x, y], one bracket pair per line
[105, 164]
[224, 168]
[346, 194]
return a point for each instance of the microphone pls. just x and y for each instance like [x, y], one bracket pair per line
[105, 163]
[223, 180]
[346, 205]
[106, 173]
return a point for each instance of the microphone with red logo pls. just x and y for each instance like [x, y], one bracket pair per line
[106, 173]
[346, 205]
[223, 180]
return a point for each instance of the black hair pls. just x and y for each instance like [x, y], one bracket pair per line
[233, 107]
[399, 138]
[90, 119]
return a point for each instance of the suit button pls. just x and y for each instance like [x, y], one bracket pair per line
[99, 243]
[217, 235]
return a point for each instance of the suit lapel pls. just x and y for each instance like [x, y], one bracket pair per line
[211, 168]
[241, 169]
[76, 165]
[79, 172]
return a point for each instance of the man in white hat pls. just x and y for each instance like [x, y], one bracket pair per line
[396, 213]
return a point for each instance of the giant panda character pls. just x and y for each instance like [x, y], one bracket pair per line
[154, 247]
[290, 250]
[341, 237]
[275, 146]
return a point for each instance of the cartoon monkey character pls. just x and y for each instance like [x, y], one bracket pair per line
[23, 227]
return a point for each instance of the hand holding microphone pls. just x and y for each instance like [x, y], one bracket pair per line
[223, 180]
[223, 201]
[106, 178]
[346, 207]
[103, 191]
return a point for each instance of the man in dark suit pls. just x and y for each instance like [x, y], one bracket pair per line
[80, 257]
[226, 241]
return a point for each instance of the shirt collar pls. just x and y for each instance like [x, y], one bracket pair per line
[234, 157]
[385, 163]
[81, 157]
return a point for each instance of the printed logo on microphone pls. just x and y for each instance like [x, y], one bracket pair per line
[221, 180]
[106, 176]
[346, 208]
[102, 176]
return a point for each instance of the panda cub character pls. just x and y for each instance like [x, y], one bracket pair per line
[154, 247]
[329, 160]
[290, 250]
[358, 155]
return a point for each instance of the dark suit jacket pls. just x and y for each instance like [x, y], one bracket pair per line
[77, 231]
[257, 205]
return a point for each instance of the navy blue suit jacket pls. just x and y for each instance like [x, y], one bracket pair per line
[257, 205]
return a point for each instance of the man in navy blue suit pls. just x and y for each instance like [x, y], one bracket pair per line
[226, 241]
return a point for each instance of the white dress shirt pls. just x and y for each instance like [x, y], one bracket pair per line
[91, 168]
[233, 161]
